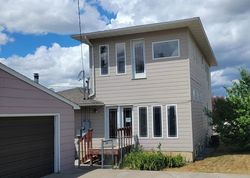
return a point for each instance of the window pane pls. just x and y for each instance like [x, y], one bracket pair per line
[172, 124]
[139, 58]
[166, 49]
[143, 128]
[120, 56]
[104, 60]
[157, 121]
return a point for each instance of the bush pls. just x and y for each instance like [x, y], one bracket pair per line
[142, 160]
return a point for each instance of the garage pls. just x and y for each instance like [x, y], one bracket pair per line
[36, 128]
[27, 146]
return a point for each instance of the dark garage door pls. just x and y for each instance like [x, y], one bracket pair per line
[26, 146]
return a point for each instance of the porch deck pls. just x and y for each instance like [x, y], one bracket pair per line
[88, 150]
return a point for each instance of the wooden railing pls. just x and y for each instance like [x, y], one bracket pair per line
[85, 144]
[124, 136]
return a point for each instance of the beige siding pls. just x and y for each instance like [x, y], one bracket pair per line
[167, 82]
[96, 117]
[18, 97]
[201, 85]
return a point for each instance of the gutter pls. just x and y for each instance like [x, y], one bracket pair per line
[92, 66]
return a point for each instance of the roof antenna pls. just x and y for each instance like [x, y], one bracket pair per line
[81, 75]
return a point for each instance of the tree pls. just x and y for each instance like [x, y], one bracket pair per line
[231, 116]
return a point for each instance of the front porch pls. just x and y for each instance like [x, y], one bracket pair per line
[90, 152]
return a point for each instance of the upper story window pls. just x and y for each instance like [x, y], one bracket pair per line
[120, 58]
[138, 56]
[104, 59]
[166, 49]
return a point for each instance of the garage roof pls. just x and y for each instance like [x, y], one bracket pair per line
[39, 86]
[193, 24]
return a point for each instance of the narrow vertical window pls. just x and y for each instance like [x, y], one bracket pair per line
[104, 59]
[138, 59]
[157, 121]
[172, 121]
[143, 123]
[120, 58]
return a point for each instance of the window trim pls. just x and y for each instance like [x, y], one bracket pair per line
[140, 75]
[152, 114]
[159, 58]
[177, 121]
[138, 115]
[125, 58]
[100, 70]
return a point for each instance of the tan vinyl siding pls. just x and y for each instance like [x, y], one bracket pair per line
[199, 83]
[96, 119]
[167, 82]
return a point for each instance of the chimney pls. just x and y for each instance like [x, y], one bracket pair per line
[36, 77]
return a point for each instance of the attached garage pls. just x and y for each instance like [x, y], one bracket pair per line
[36, 128]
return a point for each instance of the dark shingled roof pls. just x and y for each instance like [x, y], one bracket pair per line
[76, 95]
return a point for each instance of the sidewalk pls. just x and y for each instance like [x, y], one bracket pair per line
[109, 173]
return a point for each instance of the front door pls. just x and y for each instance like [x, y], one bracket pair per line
[127, 117]
[112, 123]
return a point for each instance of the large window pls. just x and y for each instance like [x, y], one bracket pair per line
[138, 59]
[120, 58]
[172, 121]
[157, 121]
[166, 49]
[104, 59]
[143, 122]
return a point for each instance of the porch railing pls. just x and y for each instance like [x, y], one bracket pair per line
[85, 144]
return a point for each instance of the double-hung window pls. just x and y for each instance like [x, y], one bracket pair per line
[104, 59]
[172, 123]
[166, 49]
[143, 122]
[120, 58]
[157, 121]
[138, 56]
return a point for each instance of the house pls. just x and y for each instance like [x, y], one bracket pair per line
[36, 128]
[154, 78]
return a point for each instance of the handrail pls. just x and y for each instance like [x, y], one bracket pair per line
[85, 144]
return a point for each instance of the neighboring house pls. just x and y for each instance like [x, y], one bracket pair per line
[36, 128]
[155, 78]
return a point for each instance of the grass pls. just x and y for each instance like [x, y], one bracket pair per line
[220, 161]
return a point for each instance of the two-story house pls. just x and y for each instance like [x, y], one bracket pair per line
[153, 77]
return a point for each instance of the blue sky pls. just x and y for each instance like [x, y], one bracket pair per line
[35, 36]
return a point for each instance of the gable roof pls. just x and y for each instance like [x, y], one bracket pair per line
[193, 24]
[76, 95]
[39, 86]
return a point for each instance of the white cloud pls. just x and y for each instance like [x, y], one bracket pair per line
[57, 16]
[57, 66]
[224, 77]
[4, 38]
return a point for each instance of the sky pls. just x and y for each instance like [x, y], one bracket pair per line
[35, 35]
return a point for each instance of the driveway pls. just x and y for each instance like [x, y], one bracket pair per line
[88, 172]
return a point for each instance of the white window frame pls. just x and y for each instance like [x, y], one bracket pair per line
[125, 58]
[156, 42]
[138, 116]
[177, 121]
[139, 75]
[100, 60]
[152, 113]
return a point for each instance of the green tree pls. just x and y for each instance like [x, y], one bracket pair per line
[231, 116]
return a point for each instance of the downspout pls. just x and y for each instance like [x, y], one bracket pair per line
[92, 66]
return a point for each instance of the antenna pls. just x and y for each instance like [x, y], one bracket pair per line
[81, 75]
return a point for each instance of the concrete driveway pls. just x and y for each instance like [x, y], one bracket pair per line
[88, 172]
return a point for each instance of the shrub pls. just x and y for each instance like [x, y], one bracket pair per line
[142, 160]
